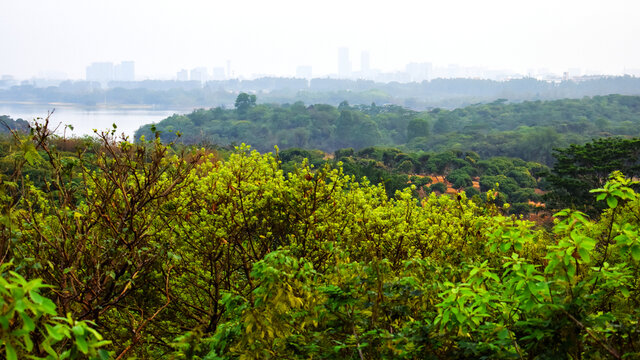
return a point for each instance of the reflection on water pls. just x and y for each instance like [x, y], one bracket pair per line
[85, 120]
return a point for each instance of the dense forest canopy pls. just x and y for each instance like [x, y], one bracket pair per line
[528, 130]
[166, 251]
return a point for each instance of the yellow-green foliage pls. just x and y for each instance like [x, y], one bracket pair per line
[29, 327]
[176, 254]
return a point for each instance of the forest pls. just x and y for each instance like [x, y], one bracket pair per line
[162, 249]
[528, 130]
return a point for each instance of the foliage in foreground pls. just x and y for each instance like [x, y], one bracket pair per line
[178, 255]
[507, 298]
[30, 328]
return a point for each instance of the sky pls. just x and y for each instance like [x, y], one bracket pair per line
[39, 37]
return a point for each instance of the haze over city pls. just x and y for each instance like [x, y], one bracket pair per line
[279, 38]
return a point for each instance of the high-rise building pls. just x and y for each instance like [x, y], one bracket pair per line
[101, 72]
[104, 72]
[344, 64]
[199, 74]
[125, 71]
[182, 75]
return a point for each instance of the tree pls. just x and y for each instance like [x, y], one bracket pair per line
[244, 102]
[417, 128]
[356, 130]
[99, 224]
[580, 168]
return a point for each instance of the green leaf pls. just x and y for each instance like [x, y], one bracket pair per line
[11, 352]
[517, 246]
[31, 154]
[28, 343]
[584, 254]
[78, 330]
[55, 332]
[37, 298]
[635, 252]
[445, 317]
[81, 342]
[47, 347]
[4, 322]
[28, 323]
[625, 292]
[48, 306]
[612, 202]
[20, 305]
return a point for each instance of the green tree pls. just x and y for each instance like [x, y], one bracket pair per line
[244, 102]
[417, 127]
[580, 168]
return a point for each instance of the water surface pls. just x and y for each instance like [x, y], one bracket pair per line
[85, 120]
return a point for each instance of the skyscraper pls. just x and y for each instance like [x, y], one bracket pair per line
[344, 65]
[182, 75]
[101, 72]
[125, 71]
[199, 74]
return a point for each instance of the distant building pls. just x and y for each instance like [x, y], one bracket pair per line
[199, 74]
[182, 75]
[101, 72]
[344, 64]
[104, 72]
[125, 71]
[304, 72]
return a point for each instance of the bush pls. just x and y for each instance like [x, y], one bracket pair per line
[29, 325]
[439, 187]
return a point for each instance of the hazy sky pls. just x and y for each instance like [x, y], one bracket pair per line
[275, 36]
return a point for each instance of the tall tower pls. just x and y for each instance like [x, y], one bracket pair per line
[344, 65]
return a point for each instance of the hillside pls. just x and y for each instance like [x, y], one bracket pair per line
[527, 130]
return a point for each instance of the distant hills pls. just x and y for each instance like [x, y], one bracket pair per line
[443, 93]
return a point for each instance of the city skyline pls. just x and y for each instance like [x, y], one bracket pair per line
[275, 38]
[105, 72]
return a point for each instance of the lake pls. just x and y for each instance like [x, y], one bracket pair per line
[84, 120]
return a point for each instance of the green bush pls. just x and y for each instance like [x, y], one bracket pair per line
[29, 326]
